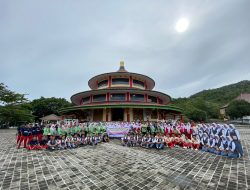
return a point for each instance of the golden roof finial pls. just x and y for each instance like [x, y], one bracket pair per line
[122, 68]
[121, 63]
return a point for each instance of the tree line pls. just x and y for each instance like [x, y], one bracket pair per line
[16, 109]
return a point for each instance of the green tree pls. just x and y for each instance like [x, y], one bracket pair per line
[14, 108]
[190, 109]
[45, 106]
[238, 109]
[8, 97]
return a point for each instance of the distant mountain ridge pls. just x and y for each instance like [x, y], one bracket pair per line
[206, 104]
[224, 94]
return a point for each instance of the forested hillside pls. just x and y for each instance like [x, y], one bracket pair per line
[224, 94]
[205, 104]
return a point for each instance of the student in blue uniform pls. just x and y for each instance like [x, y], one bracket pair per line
[144, 141]
[149, 141]
[204, 142]
[235, 135]
[211, 144]
[218, 143]
[232, 150]
[154, 141]
[160, 143]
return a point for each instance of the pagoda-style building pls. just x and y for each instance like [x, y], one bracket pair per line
[121, 96]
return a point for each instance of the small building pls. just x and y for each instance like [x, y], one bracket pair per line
[121, 96]
[51, 117]
[246, 119]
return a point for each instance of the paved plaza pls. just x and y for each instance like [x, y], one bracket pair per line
[111, 166]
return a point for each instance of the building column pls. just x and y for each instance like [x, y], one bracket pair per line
[109, 81]
[130, 82]
[91, 115]
[131, 115]
[126, 115]
[144, 115]
[107, 96]
[104, 114]
[108, 114]
[128, 97]
[91, 98]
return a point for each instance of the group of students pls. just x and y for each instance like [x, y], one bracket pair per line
[53, 137]
[65, 142]
[220, 139]
[160, 141]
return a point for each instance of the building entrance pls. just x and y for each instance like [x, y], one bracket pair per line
[117, 114]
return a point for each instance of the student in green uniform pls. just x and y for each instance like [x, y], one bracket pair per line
[60, 131]
[91, 129]
[67, 130]
[144, 128]
[72, 130]
[103, 128]
[77, 129]
[46, 130]
[98, 129]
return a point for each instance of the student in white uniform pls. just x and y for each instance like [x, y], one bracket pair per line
[124, 140]
[232, 151]
[62, 143]
[204, 142]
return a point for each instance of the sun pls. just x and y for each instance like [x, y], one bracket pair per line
[182, 25]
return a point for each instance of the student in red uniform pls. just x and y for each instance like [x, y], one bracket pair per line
[168, 130]
[186, 142]
[195, 143]
[170, 141]
[39, 132]
[25, 132]
[33, 144]
[43, 142]
[178, 141]
[32, 132]
[189, 131]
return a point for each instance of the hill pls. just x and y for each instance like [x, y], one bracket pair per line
[205, 104]
[224, 94]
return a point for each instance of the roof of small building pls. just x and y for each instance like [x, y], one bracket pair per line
[51, 117]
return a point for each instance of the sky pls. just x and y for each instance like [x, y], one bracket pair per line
[52, 48]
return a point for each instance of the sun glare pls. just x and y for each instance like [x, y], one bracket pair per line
[182, 25]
